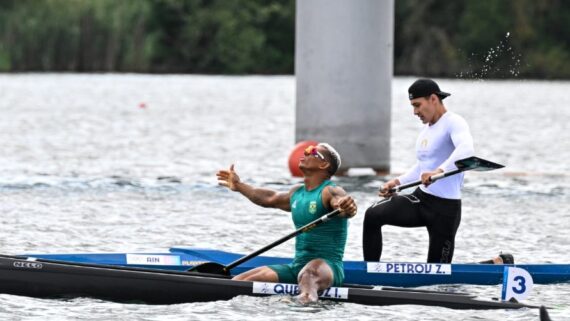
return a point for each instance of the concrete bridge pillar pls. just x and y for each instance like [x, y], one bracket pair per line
[343, 68]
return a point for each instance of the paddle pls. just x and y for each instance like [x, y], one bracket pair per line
[544, 314]
[217, 268]
[466, 164]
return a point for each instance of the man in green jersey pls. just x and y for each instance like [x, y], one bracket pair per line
[318, 253]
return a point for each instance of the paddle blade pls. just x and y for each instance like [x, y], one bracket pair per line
[476, 164]
[544, 314]
[211, 268]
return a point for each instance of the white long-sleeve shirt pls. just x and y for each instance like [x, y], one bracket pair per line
[439, 146]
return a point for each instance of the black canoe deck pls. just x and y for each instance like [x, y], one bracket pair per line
[52, 279]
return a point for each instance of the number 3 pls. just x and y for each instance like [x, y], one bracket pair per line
[522, 283]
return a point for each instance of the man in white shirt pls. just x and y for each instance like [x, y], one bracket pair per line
[437, 206]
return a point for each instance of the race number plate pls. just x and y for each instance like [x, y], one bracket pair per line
[517, 283]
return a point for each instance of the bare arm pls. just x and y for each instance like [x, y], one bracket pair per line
[260, 196]
[265, 197]
[336, 197]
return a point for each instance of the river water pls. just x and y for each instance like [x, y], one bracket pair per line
[121, 163]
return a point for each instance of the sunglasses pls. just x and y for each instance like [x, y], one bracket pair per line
[312, 151]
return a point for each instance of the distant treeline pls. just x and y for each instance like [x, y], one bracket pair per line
[463, 38]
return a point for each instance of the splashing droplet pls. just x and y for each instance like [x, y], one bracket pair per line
[498, 62]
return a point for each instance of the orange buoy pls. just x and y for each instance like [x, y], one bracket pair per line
[296, 154]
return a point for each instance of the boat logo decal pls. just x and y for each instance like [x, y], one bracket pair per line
[264, 289]
[408, 268]
[293, 289]
[28, 265]
[149, 259]
[313, 207]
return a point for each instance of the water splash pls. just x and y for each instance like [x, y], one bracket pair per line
[499, 61]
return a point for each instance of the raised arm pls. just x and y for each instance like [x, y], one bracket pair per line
[336, 197]
[260, 196]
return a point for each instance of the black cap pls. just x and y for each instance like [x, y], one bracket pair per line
[424, 88]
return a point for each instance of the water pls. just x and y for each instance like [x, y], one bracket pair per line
[500, 61]
[118, 163]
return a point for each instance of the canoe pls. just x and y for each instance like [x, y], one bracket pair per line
[400, 274]
[53, 279]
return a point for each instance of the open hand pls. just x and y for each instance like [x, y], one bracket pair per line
[228, 178]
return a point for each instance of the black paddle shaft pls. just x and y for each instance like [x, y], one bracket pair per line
[466, 164]
[303, 229]
[216, 268]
